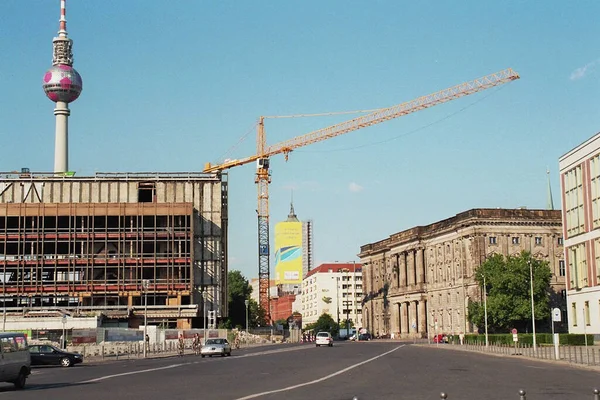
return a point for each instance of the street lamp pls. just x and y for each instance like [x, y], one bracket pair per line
[532, 303]
[204, 294]
[246, 302]
[64, 338]
[337, 299]
[145, 284]
[485, 311]
[346, 303]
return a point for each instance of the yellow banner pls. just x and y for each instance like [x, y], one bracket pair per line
[288, 253]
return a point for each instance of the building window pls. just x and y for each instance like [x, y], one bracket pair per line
[538, 241]
[515, 240]
[574, 201]
[595, 189]
[586, 313]
[597, 248]
[561, 268]
[563, 294]
[578, 266]
[493, 240]
[560, 241]
[574, 313]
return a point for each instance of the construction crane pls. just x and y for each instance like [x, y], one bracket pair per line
[264, 152]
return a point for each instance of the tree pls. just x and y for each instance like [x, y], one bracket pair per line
[239, 291]
[325, 323]
[507, 281]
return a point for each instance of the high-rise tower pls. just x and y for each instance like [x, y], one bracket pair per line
[62, 85]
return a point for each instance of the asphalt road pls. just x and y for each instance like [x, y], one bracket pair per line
[366, 370]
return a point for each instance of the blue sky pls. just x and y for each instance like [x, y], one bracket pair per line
[169, 86]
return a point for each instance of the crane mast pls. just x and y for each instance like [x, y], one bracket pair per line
[262, 180]
[263, 173]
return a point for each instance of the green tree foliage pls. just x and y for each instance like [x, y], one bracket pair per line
[508, 292]
[325, 323]
[238, 291]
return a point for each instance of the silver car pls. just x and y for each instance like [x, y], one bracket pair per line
[216, 347]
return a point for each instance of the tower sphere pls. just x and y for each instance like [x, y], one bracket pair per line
[62, 83]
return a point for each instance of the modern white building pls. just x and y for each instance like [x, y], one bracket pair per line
[580, 196]
[334, 289]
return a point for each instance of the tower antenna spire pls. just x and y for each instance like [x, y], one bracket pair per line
[62, 30]
[549, 201]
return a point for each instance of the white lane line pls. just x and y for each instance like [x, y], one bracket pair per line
[252, 396]
[102, 378]
[143, 371]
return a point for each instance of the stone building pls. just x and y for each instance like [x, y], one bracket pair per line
[419, 281]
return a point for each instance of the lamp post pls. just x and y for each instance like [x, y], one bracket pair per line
[204, 294]
[145, 284]
[4, 303]
[346, 303]
[337, 299]
[532, 303]
[485, 311]
[64, 338]
[246, 302]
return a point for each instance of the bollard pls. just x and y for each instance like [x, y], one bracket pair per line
[596, 394]
[443, 395]
[522, 395]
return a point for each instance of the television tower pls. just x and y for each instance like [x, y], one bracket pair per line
[62, 85]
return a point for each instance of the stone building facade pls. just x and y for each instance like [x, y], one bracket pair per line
[418, 282]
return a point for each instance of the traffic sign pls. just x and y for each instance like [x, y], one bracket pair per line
[514, 331]
[556, 315]
[515, 337]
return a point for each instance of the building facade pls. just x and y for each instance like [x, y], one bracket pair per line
[419, 281]
[115, 245]
[580, 196]
[334, 289]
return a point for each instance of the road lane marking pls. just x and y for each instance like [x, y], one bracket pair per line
[252, 396]
[102, 378]
[143, 371]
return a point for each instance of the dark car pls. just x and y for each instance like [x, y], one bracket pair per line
[364, 336]
[49, 355]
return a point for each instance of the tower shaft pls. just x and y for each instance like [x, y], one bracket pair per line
[61, 143]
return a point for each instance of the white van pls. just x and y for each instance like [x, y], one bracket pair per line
[15, 360]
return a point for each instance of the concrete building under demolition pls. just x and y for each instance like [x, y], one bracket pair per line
[99, 246]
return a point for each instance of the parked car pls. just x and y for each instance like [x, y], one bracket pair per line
[324, 339]
[364, 336]
[216, 347]
[15, 361]
[49, 355]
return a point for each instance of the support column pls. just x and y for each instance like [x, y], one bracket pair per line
[395, 318]
[403, 270]
[419, 266]
[403, 318]
[410, 268]
[422, 325]
[413, 317]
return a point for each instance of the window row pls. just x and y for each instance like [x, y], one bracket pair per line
[538, 240]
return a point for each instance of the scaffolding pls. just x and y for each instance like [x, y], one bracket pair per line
[89, 243]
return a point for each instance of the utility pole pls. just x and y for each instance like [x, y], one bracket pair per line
[532, 303]
[347, 305]
[145, 284]
[485, 311]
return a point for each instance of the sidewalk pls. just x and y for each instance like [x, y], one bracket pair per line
[574, 356]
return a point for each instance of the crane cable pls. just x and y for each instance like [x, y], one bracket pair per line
[405, 133]
[323, 114]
